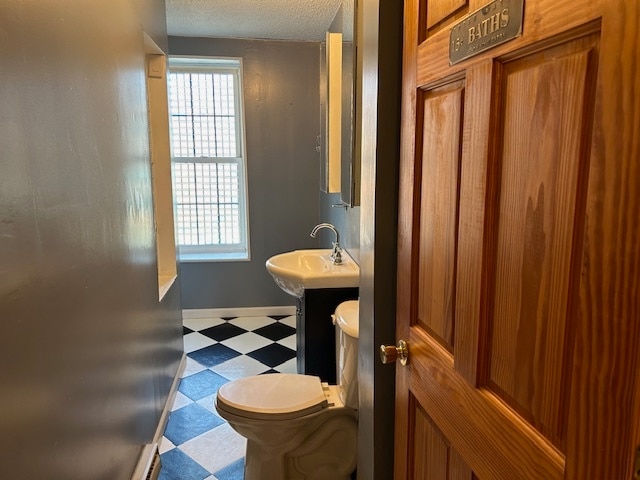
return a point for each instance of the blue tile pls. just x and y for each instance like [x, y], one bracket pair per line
[189, 422]
[201, 384]
[213, 355]
[176, 465]
[235, 471]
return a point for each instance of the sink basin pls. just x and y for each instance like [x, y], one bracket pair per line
[298, 270]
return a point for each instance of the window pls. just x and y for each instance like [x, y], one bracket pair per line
[207, 142]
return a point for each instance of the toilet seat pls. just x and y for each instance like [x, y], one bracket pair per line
[276, 396]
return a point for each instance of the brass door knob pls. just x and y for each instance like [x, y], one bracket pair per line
[391, 353]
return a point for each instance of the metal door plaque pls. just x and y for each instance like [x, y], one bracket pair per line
[493, 24]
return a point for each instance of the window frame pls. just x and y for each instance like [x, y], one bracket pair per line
[224, 252]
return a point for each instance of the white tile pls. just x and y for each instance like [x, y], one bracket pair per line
[252, 323]
[192, 367]
[198, 324]
[196, 341]
[289, 342]
[180, 401]
[290, 366]
[291, 321]
[216, 448]
[211, 477]
[240, 367]
[208, 403]
[165, 445]
[247, 342]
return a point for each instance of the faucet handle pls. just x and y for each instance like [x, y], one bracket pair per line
[336, 255]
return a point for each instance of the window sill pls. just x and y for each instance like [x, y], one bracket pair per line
[213, 257]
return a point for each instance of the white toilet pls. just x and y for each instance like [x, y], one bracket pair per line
[297, 427]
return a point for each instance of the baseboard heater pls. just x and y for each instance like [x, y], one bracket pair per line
[149, 464]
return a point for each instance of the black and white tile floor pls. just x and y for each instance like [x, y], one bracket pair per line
[197, 443]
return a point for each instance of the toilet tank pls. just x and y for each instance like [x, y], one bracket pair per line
[346, 320]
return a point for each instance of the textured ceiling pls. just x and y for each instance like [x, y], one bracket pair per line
[301, 20]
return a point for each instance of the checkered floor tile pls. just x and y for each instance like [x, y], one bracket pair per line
[197, 443]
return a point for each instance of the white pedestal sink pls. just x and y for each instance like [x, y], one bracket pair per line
[298, 270]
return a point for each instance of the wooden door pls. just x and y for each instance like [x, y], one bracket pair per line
[519, 246]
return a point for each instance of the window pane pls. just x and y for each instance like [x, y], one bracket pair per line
[208, 209]
[203, 114]
[182, 141]
[224, 101]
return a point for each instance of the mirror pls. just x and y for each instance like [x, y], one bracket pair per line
[333, 107]
[340, 165]
[350, 159]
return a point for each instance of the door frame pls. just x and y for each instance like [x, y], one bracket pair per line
[378, 90]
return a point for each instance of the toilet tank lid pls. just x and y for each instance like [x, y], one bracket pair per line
[275, 395]
[347, 317]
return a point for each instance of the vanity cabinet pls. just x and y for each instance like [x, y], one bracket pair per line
[315, 332]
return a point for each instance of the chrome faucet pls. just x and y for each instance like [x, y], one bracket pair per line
[336, 254]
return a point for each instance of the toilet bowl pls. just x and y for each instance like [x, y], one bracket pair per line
[296, 426]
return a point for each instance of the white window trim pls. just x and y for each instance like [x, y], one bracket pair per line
[229, 252]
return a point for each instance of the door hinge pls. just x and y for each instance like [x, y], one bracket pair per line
[636, 465]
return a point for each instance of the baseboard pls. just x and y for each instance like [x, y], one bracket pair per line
[164, 416]
[149, 463]
[239, 312]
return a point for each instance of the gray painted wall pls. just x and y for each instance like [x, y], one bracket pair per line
[346, 220]
[282, 118]
[87, 353]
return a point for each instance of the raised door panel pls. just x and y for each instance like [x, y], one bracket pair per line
[543, 156]
[439, 10]
[439, 210]
[434, 458]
